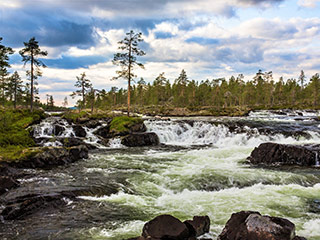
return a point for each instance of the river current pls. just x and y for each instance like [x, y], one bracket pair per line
[199, 169]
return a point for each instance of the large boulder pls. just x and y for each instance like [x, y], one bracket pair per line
[253, 226]
[93, 124]
[140, 139]
[165, 227]
[79, 131]
[285, 154]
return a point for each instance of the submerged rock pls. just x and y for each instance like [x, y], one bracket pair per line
[29, 204]
[140, 139]
[253, 226]
[283, 154]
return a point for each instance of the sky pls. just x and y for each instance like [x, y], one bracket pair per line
[207, 38]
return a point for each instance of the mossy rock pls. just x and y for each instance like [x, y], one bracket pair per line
[18, 153]
[123, 124]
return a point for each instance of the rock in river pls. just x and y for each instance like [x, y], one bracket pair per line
[253, 226]
[79, 131]
[140, 139]
[168, 227]
[285, 154]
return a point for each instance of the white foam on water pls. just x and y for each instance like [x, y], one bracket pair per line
[203, 133]
[310, 229]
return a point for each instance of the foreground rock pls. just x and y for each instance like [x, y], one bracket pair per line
[140, 139]
[253, 226]
[283, 154]
[53, 156]
[171, 228]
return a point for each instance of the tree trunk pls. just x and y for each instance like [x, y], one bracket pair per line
[31, 102]
[129, 78]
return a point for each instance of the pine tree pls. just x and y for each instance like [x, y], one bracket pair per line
[65, 102]
[84, 84]
[15, 88]
[128, 60]
[30, 53]
[4, 65]
[302, 77]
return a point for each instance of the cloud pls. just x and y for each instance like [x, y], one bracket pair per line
[308, 3]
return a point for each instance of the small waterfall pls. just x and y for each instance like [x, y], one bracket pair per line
[317, 163]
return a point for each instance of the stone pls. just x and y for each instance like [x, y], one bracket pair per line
[138, 127]
[103, 132]
[58, 130]
[140, 139]
[165, 227]
[92, 124]
[252, 226]
[299, 238]
[79, 131]
[285, 154]
[199, 225]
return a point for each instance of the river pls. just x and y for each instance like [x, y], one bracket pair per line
[200, 169]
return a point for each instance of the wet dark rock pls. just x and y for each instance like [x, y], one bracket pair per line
[165, 227]
[198, 226]
[53, 156]
[140, 139]
[92, 124]
[58, 130]
[253, 226]
[283, 154]
[315, 206]
[79, 131]
[138, 127]
[103, 132]
[7, 183]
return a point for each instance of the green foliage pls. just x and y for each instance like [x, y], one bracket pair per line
[123, 123]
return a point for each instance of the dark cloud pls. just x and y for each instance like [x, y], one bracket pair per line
[49, 29]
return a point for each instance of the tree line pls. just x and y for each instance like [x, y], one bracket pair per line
[260, 92]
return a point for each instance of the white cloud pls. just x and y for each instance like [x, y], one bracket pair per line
[308, 3]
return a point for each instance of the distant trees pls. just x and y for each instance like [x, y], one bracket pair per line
[65, 102]
[128, 60]
[31, 53]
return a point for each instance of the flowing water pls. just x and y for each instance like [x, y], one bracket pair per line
[200, 169]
